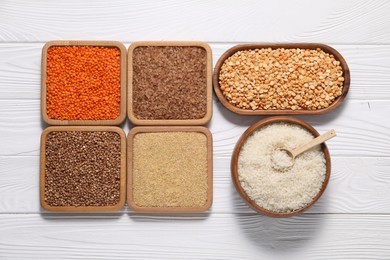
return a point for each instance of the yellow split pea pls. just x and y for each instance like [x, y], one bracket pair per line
[294, 79]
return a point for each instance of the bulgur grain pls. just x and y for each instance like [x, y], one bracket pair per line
[170, 169]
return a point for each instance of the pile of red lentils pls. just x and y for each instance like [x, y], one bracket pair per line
[269, 79]
[83, 83]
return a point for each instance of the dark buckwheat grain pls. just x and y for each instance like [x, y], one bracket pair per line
[82, 168]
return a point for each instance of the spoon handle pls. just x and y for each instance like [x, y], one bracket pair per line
[318, 140]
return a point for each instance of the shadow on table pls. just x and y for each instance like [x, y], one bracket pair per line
[279, 235]
[232, 118]
[162, 217]
[248, 120]
[54, 216]
[43, 124]
[137, 217]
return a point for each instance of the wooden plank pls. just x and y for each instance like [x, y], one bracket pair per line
[20, 73]
[224, 236]
[19, 186]
[357, 185]
[369, 65]
[329, 21]
[18, 118]
[361, 126]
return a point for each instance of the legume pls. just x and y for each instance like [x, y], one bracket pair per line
[294, 79]
[83, 83]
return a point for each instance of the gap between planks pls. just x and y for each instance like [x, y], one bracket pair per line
[209, 42]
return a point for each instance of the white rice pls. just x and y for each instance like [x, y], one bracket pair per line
[272, 189]
[281, 159]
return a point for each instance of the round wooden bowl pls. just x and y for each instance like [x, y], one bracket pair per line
[240, 111]
[236, 153]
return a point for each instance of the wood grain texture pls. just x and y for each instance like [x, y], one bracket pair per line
[361, 128]
[369, 66]
[360, 180]
[329, 21]
[20, 74]
[224, 236]
[356, 185]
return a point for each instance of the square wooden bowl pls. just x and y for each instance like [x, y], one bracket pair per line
[122, 195]
[208, 86]
[172, 129]
[123, 77]
[312, 46]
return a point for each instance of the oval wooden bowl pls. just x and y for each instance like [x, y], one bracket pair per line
[236, 153]
[240, 111]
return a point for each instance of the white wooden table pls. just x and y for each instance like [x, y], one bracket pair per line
[351, 220]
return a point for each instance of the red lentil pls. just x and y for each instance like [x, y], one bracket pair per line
[83, 83]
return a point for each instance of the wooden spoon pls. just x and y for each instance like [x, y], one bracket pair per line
[292, 154]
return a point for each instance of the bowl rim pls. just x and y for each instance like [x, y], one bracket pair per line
[236, 153]
[83, 209]
[240, 47]
[165, 209]
[174, 122]
[123, 83]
